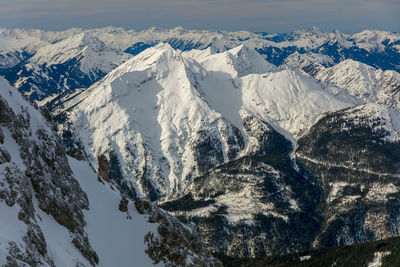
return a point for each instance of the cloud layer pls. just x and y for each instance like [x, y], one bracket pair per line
[252, 15]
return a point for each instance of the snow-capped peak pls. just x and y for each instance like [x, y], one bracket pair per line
[162, 55]
[337, 36]
[238, 61]
[38, 183]
[376, 36]
[358, 78]
[314, 30]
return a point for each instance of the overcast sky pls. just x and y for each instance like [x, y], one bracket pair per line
[252, 15]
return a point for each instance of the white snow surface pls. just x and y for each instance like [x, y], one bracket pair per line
[151, 109]
[30, 40]
[370, 39]
[358, 78]
[239, 61]
[117, 238]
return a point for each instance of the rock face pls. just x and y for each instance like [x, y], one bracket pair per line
[36, 175]
[162, 119]
[159, 126]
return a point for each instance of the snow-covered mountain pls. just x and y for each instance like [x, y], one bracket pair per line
[358, 79]
[178, 127]
[72, 63]
[56, 211]
[199, 131]
[156, 109]
[364, 82]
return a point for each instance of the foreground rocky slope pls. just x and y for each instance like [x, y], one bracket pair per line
[56, 211]
[36, 176]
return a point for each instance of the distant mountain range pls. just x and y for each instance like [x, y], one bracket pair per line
[22, 52]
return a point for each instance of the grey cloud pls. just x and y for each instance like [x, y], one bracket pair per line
[253, 15]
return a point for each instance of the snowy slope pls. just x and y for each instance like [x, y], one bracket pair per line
[138, 110]
[117, 237]
[156, 112]
[120, 38]
[17, 45]
[9, 59]
[367, 46]
[67, 66]
[369, 114]
[292, 100]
